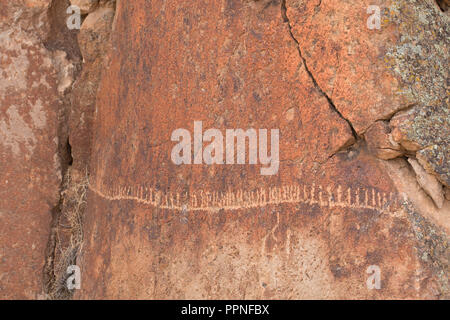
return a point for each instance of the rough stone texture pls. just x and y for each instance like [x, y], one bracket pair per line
[372, 75]
[30, 172]
[310, 68]
[341, 95]
[426, 131]
[407, 184]
[346, 58]
[428, 183]
[93, 40]
[82, 61]
[381, 143]
[419, 59]
[86, 6]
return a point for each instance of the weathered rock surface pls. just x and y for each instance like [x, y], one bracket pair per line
[93, 40]
[429, 183]
[30, 172]
[363, 176]
[426, 133]
[86, 6]
[311, 69]
[381, 143]
[86, 50]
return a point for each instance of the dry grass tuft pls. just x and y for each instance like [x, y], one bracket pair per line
[68, 233]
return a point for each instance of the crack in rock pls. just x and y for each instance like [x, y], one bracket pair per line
[316, 85]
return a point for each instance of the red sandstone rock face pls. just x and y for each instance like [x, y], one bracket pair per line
[157, 230]
[93, 40]
[342, 97]
[346, 58]
[29, 162]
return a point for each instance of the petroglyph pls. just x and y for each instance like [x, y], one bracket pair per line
[271, 233]
[202, 200]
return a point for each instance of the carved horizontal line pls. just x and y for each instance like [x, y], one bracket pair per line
[330, 197]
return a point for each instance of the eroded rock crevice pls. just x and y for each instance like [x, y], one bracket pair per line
[79, 57]
[63, 44]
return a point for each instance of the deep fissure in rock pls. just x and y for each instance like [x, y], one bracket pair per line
[60, 38]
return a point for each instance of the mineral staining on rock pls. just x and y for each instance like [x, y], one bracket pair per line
[419, 56]
[93, 40]
[363, 175]
[30, 173]
[419, 59]
[249, 64]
